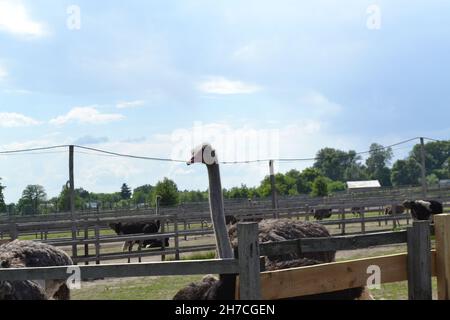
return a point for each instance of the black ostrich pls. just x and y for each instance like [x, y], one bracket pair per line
[423, 209]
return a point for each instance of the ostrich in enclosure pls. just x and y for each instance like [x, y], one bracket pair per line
[423, 209]
[320, 214]
[395, 209]
[223, 288]
[29, 254]
[137, 228]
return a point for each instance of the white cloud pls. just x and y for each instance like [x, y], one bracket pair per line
[12, 119]
[87, 115]
[3, 73]
[317, 103]
[14, 18]
[221, 85]
[130, 104]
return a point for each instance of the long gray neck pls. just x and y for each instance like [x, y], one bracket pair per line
[218, 213]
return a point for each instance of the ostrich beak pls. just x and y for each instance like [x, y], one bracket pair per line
[192, 161]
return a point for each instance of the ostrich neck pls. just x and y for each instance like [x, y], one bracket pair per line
[218, 212]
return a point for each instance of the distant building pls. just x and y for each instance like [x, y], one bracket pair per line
[362, 186]
[91, 205]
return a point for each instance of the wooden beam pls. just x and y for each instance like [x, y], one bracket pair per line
[442, 231]
[337, 243]
[419, 261]
[331, 277]
[227, 266]
[249, 262]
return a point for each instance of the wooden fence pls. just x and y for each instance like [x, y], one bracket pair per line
[90, 228]
[417, 266]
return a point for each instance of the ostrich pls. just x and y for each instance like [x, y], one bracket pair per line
[223, 288]
[320, 214]
[136, 228]
[29, 254]
[395, 209]
[423, 209]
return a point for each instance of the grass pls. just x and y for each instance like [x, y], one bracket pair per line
[149, 288]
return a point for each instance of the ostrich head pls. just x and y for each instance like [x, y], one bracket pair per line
[203, 154]
[407, 204]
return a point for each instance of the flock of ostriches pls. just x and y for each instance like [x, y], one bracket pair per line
[20, 254]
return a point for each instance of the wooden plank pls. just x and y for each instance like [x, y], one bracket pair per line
[330, 277]
[249, 261]
[349, 242]
[419, 261]
[442, 231]
[226, 266]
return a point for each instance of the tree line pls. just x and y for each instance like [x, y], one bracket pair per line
[328, 174]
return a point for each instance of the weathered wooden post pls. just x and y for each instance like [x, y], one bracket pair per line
[419, 261]
[442, 232]
[363, 219]
[72, 200]
[343, 220]
[424, 170]
[274, 189]
[177, 238]
[394, 213]
[163, 245]
[249, 261]
[158, 201]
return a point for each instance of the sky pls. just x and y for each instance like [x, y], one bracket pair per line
[256, 79]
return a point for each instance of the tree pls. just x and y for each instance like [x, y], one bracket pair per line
[168, 191]
[319, 187]
[333, 162]
[32, 197]
[81, 197]
[142, 194]
[355, 172]
[2, 198]
[436, 157]
[377, 164]
[125, 192]
[405, 172]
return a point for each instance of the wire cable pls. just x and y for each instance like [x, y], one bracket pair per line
[116, 154]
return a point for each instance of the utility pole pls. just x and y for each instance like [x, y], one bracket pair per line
[424, 172]
[71, 182]
[274, 189]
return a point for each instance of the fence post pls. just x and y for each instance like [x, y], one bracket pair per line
[343, 220]
[97, 242]
[442, 232]
[177, 239]
[274, 189]
[419, 261]
[249, 261]
[363, 220]
[163, 245]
